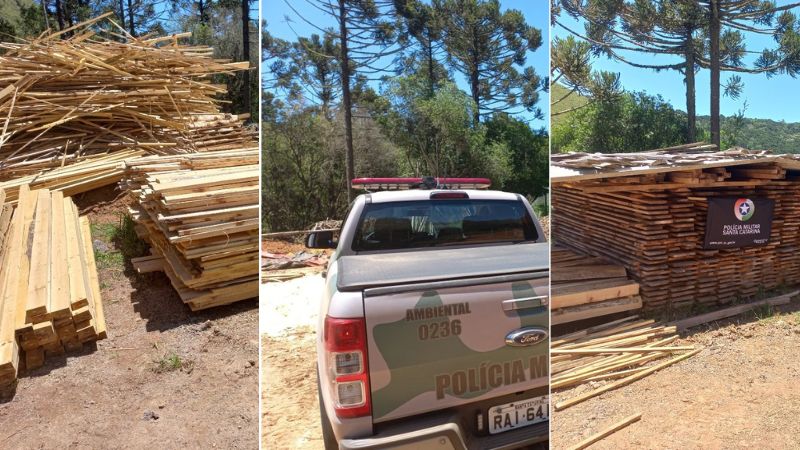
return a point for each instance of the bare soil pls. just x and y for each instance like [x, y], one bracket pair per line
[741, 391]
[290, 408]
[165, 377]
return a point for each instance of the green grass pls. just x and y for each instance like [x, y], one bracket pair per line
[122, 241]
[764, 312]
[125, 236]
[575, 100]
[109, 260]
[171, 362]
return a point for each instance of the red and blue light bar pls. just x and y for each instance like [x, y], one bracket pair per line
[389, 184]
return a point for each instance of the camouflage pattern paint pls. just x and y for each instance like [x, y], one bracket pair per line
[437, 349]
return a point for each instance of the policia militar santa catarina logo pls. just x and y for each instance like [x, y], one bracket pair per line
[738, 222]
[744, 209]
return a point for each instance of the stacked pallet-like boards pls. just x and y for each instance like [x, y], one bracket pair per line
[612, 355]
[94, 90]
[199, 213]
[49, 291]
[586, 287]
[653, 224]
[91, 173]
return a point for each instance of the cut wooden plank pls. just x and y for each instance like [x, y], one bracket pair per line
[732, 311]
[59, 305]
[623, 382]
[39, 287]
[593, 351]
[581, 312]
[576, 295]
[588, 272]
[606, 432]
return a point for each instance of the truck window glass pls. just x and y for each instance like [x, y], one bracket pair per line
[437, 223]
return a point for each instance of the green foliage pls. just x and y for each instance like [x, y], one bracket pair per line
[171, 362]
[528, 154]
[489, 48]
[126, 239]
[303, 165]
[573, 77]
[630, 123]
[570, 101]
[755, 134]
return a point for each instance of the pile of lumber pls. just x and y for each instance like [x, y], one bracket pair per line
[616, 353]
[654, 225]
[101, 90]
[91, 173]
[286, 266]
[584, 287]
[199, 214]
[49, 292]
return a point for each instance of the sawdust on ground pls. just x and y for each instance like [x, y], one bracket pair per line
[740, 392]
[290, 408]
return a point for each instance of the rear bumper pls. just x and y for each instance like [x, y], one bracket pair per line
[441, 433]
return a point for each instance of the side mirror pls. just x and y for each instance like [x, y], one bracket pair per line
[321, 239]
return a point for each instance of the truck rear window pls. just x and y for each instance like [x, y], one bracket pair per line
[430, 223]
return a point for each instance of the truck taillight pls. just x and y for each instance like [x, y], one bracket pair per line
[346, 347]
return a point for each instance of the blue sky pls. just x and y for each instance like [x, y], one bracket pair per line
[773, 98]
[283, 23]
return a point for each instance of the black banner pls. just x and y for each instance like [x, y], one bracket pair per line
[738, 222]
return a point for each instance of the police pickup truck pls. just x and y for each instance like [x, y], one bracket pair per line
[433, 330]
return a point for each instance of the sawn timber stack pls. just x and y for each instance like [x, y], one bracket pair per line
[199, 213]
[94, 89]
[49, 291]
[585, 287]
[648, 213]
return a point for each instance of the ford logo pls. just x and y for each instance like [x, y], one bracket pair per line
[525, 337]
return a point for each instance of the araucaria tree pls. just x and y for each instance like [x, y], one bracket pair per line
[367, 37]
[489, 48]
[705, 34]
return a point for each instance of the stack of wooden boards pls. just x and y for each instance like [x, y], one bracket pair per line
[617, 353]
[91, 173]
[199, 213]
[101, 90]
[584, 287]
[49, 292]
[653, 224]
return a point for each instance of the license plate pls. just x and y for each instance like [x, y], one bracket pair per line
[518, 414]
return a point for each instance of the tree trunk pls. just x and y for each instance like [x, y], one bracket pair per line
[131, 26]
[44, 11]
[431, 75]
[60, 16]
[346, 100]
[246, 52]
[201, 9]
[122, 12]
[690, 91]
[714, 31]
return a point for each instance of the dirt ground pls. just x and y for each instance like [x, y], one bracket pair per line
[739, 392]
[165, 377]
[290, 408]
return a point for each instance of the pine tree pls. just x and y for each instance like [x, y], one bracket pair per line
[367, 35]
[489, 48]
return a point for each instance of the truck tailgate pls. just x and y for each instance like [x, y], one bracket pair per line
[438, 345]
